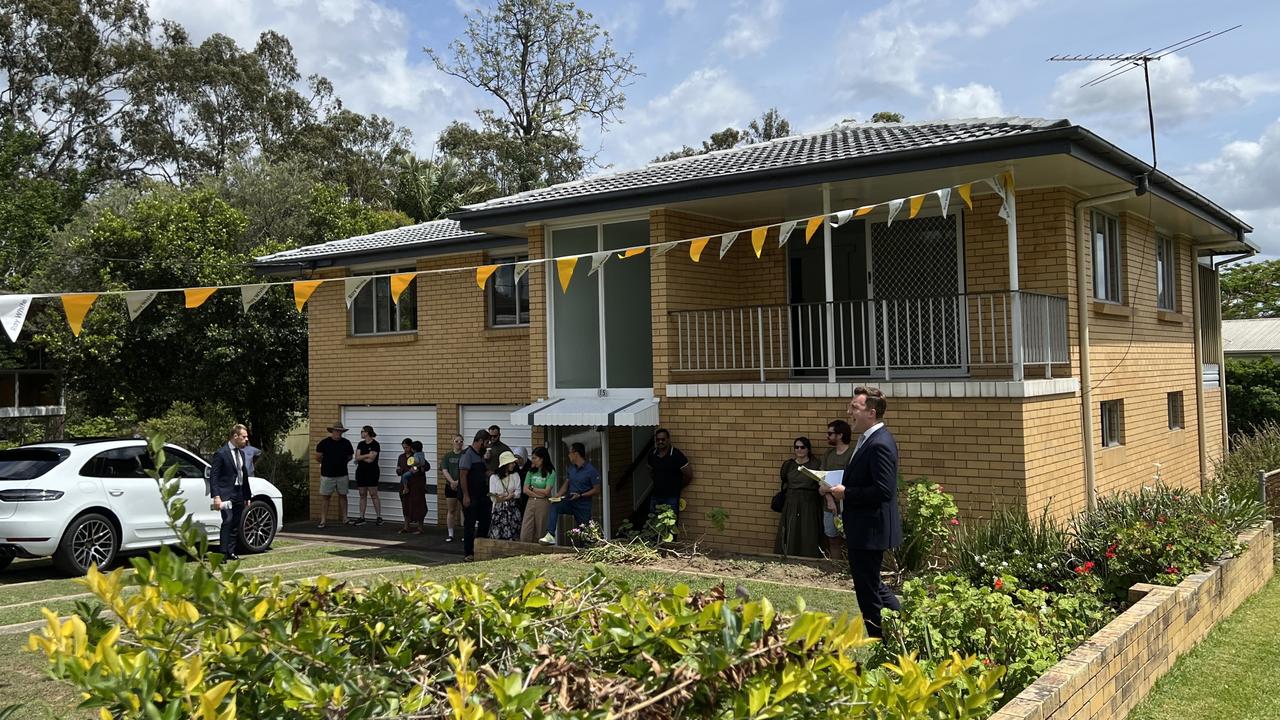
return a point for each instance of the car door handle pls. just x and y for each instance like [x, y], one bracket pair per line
[180, 492]
[115, 493]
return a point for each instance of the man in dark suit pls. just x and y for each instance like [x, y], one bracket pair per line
[869, 490]
[229, 485]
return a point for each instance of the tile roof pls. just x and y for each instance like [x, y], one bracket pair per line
[1259, 335]
[425, 233]
[842, 142]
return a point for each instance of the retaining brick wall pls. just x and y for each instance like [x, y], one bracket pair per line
[1115, 669]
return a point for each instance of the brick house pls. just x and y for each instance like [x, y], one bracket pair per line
[987, 378]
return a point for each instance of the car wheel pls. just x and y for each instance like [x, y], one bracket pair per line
[258, 527]
[90, 540]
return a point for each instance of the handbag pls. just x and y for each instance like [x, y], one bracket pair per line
[779, 498]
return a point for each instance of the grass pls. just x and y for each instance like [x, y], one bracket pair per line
[1230, 673]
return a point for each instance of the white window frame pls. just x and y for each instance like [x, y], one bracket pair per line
[410, 300]
[1166, 274]
[1112, 434]
[1108, 259]
[1176, 409]
[491, 314]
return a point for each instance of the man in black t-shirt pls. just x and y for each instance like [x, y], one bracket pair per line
[477, 508]
[670, 471]
[334, 453]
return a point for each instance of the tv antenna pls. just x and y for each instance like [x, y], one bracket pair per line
[1122, 63]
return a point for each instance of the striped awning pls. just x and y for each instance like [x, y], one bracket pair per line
[589, 411]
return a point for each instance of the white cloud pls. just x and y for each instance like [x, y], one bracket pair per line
[677, 7]
[1243, 178]
[1120, 103]
[752, 29]
[968, 101]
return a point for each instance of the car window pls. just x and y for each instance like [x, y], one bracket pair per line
[30, 463]
[131, 462]
[188, 467]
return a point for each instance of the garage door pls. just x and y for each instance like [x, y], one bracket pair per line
[480, 417]
[393, 424]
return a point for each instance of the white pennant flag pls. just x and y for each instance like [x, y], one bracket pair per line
[726, 241]
[664, 248]
[944, 197]
[137, 301]
[784, 231]
[13, 313]
[598, 259]
[894, 207]
[842, 217]
[354, 286]
[250, 294]
[522, 268]
[997, 184]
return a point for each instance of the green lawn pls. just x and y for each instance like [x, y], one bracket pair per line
[1231, 673]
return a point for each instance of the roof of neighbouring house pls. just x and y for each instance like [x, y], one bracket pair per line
[409, 240]
[1261, 335]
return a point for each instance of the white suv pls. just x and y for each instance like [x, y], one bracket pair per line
[83, 501]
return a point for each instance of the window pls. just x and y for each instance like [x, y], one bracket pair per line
[1112, 423]
[1166, 274]
[1175, 411]
[125, 462]
[1106, 258]
[508, 298]
[373, 312]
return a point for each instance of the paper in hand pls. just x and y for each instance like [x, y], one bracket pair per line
[833, 478]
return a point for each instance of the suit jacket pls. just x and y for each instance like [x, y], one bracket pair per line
[871, 517]
[222, 476]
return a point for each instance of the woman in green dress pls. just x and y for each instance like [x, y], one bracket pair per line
[800, 527]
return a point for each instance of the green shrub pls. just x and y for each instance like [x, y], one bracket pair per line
[1251, 453]
[1026, 631]
[928, 519]
[1037, 552]
[201, 430]
[290, 475]
[101, 426]
[1253, 391]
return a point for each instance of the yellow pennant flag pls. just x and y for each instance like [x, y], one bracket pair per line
[812, 227]
[1007, 176]
[696, 247]
[966, 191]
[399, 283]
[483, 272]
[195, 297]
[757, 239]
[864, 210]
[76, 307]
[565, 268]
[631, 253]
[302, 290]
[916, 202]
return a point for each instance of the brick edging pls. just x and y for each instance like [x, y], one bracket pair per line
[1112, 671]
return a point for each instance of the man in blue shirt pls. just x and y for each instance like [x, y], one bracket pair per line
[582, 483]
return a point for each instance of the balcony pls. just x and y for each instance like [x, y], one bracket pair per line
[951, 336]
[30, 393]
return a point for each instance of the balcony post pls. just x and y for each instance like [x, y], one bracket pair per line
[1014, 291]
[828, 313]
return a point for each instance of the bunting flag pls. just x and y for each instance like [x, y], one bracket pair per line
[812, 227]
[564, 267]
[757, 239]
[250, 294]
[916, 201]
[355, 285]
[894, 207]
[302, 290]
[137, 301]
[631, 253]
[597, 260]
[696, 247]
[726, 242]
[195, 297]
[522, 268]
[841, 218]
[965, 192]
[785, 230]
[664, 248]
[399, 283]
[76, 306]
[864, 210]
[483, 274]
[944, 199]
[997, 184]
[13, 313]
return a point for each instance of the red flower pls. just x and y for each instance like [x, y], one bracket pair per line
[1111, 552]
[939, 488]
[1171, 570]
[1169, 546]
[1162, 518]
[987, 662]
[1085, 569]
[955, 521]
[999, 584]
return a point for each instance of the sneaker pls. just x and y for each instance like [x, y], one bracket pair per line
[449, 539]
[320, 525]
[548, 539]
[355, 521]
[469, 558]
[378, 521]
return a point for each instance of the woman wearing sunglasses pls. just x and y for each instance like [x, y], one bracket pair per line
[800, 527]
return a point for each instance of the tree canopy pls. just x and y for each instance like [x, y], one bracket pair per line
[1251, 290]
[769, 126]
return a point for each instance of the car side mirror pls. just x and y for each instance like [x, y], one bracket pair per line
[207, 472]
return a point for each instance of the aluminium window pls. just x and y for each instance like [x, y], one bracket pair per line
[508, 298]
[1174, 403]
[1166, 274]
[1107, 280]
[374, 313]
[1112, 423]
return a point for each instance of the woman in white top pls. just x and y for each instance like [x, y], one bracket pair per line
[504, 489]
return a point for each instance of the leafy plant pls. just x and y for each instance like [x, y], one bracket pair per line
[1037, 552]
[718, 517]
[1251, 453]
[928, 520]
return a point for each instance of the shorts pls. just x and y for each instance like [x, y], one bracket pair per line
[829, 524]
[333, 485]
[365, 482]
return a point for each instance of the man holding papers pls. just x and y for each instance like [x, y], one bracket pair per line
[869, 490]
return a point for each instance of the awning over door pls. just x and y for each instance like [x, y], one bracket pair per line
[606, 411]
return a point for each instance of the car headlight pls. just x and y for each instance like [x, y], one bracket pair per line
[29, 495]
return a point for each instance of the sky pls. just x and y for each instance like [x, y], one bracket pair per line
[709, 64]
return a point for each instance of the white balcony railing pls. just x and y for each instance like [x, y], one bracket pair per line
[940, 336]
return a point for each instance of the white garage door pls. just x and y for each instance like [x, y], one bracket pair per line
[393, 424]
[480, 417]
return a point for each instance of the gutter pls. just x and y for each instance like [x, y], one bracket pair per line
[1082, 316]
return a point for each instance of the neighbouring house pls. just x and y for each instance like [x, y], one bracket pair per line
[29, 390]
[1251, 339]
[992, 391]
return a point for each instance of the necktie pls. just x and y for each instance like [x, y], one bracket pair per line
[857, 447]
[239, 465]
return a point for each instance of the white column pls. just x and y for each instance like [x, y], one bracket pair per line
[1015, 295]
[605, 495]
[829, 314]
